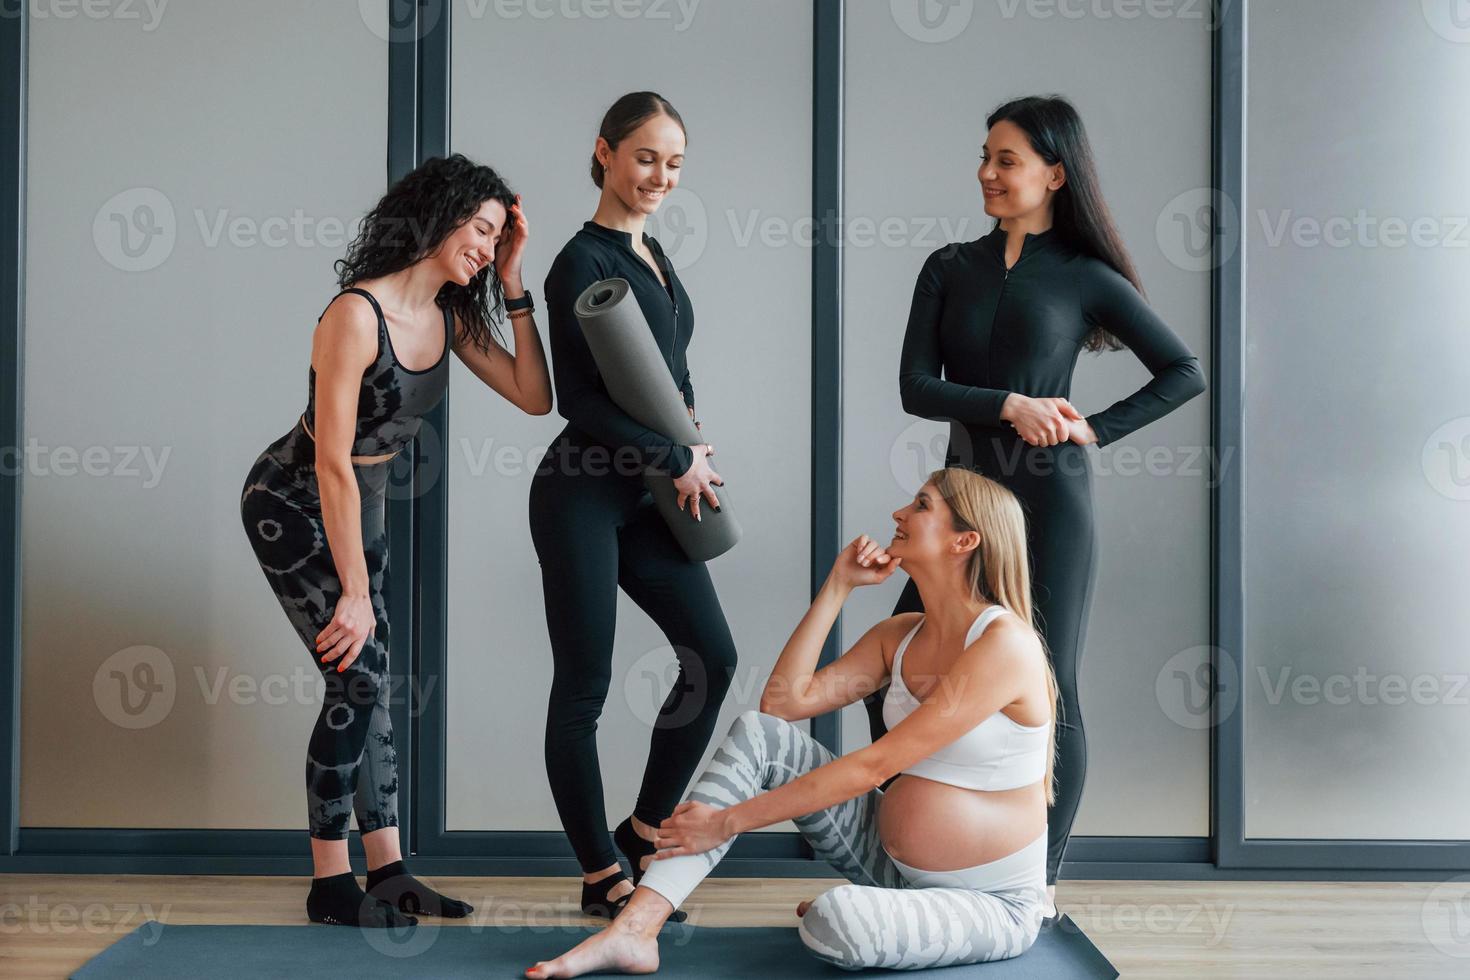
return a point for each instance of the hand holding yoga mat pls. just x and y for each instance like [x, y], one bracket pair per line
[637, 379]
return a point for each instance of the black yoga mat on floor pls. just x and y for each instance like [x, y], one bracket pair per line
[165, 952]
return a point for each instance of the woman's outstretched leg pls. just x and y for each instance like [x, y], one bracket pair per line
[760, 753]
[878, 920]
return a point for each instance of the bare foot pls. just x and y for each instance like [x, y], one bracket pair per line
[628, 945]
[617, 949]
[801, 909]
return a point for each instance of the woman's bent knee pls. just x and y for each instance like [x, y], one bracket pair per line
[822, 932]
[753, 719]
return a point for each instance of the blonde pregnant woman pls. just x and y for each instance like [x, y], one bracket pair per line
[947, 866]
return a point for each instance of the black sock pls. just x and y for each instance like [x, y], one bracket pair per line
[338, 900]
[634, 846]
[394, 885]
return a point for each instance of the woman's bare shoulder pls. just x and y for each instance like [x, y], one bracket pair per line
[1010, 632]
[891, 632]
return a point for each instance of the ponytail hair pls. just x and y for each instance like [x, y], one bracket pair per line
[626, 115]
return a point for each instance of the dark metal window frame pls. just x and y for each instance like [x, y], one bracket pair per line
[1401, 859]
[418, 128]
[13, 71]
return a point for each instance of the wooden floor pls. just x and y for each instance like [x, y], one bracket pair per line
[51, 924]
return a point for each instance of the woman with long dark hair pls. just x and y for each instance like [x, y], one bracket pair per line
[946, 867]
[1003, 318]
[595, 526]
[429, 272]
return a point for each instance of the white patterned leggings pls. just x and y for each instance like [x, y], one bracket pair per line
[881, 919]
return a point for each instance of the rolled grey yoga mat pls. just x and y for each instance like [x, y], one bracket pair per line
[637, 378]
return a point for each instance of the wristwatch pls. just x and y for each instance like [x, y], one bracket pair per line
[520, 303]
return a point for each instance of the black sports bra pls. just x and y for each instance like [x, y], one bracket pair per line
[392, 400]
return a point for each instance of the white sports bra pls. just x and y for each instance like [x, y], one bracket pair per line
[999, 753]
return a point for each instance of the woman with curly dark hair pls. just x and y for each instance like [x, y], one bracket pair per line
[429, 272]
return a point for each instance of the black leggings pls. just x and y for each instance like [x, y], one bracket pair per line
[350, 762]
[1055, 490]
[595, 528]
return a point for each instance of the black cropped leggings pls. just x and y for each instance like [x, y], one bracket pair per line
[595, 528]
[1055, 490]
[351, 766]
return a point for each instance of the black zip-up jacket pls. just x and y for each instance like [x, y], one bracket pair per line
[994, 331]
[594, 253]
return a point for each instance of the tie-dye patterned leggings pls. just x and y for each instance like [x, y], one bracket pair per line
[350, 762]
[881, 919]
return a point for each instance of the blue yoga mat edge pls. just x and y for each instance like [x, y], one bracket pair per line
[158, 950]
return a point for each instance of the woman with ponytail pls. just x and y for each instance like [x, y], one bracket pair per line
[594, 524]
[947, 866]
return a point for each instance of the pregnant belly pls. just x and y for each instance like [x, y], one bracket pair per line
[939, 827]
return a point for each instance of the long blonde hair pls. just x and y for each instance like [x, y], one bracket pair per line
[999, 570]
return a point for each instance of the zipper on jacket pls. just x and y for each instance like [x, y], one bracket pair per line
[667, 291]
[1005, 275]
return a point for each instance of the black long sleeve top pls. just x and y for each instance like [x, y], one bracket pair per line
[995, 331]
[594, 253]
